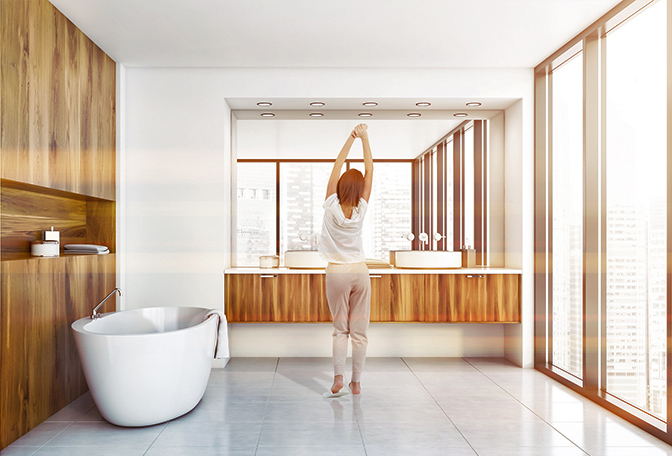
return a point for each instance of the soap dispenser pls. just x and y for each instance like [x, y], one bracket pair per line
[468, 257]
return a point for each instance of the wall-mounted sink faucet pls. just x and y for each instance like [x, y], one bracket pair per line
[424, 238]
[95, 313]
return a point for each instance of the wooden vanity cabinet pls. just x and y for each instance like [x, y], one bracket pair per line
[397, 297]
[430, 298]
[482, 298]
[286, 298]
[251, 297]
[302, 298]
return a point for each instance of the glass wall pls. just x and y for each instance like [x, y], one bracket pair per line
[601, 223]
[636, 210]
[567, 192]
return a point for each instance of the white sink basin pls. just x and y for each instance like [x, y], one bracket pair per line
[425, 259]
[304, 259]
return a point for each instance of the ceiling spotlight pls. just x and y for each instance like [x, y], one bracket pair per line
[473, 104]
[264, 103]
[413, 114]
[365, 114]
[370, 103]
[316, 114]
[317, 103]
[423, 104]
[460, 114]
[267, 114]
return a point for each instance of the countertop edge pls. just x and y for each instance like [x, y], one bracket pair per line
[476, 271]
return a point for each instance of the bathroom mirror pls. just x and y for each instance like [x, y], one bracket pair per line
[282, 166]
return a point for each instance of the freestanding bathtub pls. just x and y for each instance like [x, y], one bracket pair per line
[147, 366]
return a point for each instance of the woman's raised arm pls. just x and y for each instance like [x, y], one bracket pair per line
[362, 133]
[336, 172]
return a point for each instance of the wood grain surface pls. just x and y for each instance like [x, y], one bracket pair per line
[57, 104]
[40, 372]
[431, 298]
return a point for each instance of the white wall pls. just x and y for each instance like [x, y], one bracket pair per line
[322, 138]
[496, 191]
[519, 222]
[175, 189]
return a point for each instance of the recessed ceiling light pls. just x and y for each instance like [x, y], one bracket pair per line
[317, 103]
[423, 104]
[370, 103]
[264, 103]
[460, 114]
[365, 114]
[267, 114]
[316, 114]
[413, 114]
[473, 104]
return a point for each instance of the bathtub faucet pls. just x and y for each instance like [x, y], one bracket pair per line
[95, 314]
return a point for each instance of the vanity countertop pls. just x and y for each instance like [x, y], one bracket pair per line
[373, 271]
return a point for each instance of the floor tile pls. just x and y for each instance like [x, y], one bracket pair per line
[200, 451]
[398, 412]
[408, 406]
[220, 410]
[250, 365]
[533, 451]
[402, 433]
[420, 448]
[92, 450]
[75, 410]
[19, 451]
[104, 434]
[312, 451]
[297, 433]
[41, 434]
[208, 434]
[326, 410]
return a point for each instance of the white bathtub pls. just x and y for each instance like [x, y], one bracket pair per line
[147, 366]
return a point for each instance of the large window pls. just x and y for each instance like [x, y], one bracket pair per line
[602, 218]
[567, 236]
[302, 191]
[256, 223]
[636, 210]
[280, 207]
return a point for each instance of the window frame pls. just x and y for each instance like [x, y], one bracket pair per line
[594, 276]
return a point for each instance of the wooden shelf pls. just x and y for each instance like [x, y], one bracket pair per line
[27, 210]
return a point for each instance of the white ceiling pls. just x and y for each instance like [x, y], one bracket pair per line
[332, 33]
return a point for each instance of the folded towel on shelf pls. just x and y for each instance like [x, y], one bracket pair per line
[86, 248]
[222, 344]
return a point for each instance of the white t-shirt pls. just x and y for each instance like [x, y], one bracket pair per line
[341, 237]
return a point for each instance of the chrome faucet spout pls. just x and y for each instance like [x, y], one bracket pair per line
[95, 313]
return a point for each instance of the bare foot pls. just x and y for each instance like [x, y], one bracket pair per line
[355, 387]
[338, 384]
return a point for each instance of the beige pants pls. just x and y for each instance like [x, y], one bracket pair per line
[348, 289]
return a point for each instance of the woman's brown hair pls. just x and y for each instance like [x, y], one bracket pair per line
[350, 187]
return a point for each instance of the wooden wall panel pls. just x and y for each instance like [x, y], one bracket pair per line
[57, 104]
[40, 370]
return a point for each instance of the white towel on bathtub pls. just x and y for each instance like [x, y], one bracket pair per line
[222, 346]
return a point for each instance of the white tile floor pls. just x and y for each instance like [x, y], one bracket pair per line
[409, 406]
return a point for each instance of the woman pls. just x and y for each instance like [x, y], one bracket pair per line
[348, 285]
